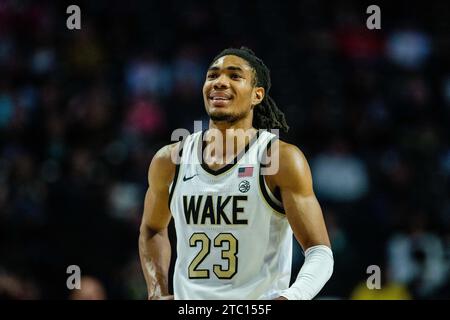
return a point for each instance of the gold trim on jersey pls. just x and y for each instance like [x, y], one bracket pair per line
[228, 167]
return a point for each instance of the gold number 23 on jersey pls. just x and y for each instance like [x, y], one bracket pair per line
[228, 254]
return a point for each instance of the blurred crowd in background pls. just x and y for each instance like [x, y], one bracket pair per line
[82, 112]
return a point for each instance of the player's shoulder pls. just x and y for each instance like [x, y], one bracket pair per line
[287, 151]
[163, 164]
[165, 155]
[292, 161]
[170, 155]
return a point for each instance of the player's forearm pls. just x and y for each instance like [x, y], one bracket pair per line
[155, 251]
[314, 274]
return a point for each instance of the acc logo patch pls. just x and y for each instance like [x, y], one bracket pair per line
[244, 186]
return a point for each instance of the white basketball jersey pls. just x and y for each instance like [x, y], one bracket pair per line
[233, 239]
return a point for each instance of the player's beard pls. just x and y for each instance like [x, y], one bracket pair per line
[227, 117]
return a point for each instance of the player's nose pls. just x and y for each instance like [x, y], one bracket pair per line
[221, 82]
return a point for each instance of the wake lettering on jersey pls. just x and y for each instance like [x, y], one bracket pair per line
[219, 214]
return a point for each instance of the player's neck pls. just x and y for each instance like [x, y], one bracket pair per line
[235, 135]
[228, 129]
[243, 123]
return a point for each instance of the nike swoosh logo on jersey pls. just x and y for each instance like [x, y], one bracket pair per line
[186, 179]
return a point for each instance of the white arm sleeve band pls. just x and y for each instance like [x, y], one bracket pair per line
[313, 275]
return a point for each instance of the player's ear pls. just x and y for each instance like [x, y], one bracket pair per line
[258, 95]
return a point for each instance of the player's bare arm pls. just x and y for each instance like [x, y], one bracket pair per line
[154, 245]
[300, 203]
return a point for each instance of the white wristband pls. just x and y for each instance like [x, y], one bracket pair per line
[313, 275]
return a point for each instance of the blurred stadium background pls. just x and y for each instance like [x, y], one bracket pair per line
[82, 113]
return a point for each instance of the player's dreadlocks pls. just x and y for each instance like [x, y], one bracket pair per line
[266, 115]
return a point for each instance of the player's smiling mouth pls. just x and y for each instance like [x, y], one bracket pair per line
[220, 96]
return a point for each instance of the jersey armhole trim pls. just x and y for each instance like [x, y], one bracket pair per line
[266, 193]
[175, 178]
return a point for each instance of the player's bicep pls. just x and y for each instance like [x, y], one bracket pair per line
[303, 211]
[156, 205]
[156, 210]
[306, 219]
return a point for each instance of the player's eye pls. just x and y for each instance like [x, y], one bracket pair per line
[235, 76]
[212, 75]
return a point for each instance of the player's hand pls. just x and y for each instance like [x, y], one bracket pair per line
[169, 297]
[280, 298]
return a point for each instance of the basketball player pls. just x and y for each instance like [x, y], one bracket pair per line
[233, 223]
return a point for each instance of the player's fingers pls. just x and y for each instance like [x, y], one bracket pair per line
[166, 297]
[170, 297]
